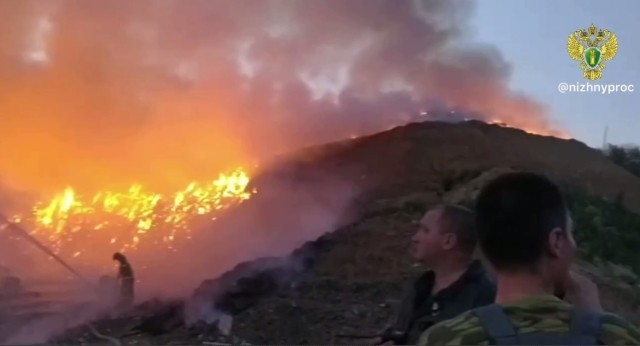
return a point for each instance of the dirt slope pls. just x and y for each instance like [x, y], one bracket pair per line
[403, 172]
[423, 156]
[355, 282]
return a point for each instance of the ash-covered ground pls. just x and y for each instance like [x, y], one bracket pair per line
[349, 280]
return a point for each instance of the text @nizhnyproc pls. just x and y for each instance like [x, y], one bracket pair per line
[603, 89]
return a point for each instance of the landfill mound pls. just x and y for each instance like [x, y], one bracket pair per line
[351, 280]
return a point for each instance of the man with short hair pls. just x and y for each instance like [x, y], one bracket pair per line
[525, 232]
[445, 243]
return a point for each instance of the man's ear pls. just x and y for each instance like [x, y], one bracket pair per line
[449, 240]
[555, 242]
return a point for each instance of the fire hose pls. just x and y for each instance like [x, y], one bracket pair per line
[99, 335]
[13, 227]
[17, 229]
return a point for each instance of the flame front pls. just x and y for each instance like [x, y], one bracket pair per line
[533, 130]
[133, 218]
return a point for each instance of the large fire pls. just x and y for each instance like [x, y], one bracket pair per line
[86, 227]
[72, 224]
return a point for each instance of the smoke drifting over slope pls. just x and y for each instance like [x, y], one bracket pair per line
[98, 92]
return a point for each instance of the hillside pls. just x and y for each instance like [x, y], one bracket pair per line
[353, 276]
[426, 156]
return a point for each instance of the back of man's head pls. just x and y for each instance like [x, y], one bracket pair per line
[515, 214]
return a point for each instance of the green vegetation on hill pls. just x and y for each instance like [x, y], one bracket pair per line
[626, 157]
[606, 230]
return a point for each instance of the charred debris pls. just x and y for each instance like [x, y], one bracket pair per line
[208, 312]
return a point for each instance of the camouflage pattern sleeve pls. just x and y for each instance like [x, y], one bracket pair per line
[462, 330]
[617, 331]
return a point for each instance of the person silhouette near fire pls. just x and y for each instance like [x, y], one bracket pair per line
[125, 279]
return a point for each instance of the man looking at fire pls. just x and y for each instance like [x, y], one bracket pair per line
[445, 243]
[525, 230]
[126, 279]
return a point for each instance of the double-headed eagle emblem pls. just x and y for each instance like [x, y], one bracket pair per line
[592, 47]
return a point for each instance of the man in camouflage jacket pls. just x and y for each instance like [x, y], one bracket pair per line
[525, 232]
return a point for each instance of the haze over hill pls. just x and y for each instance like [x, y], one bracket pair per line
[420, 156]
[96, 94]
[392, 178]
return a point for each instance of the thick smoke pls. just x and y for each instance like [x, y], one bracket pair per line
[100, 94]
[158, 91]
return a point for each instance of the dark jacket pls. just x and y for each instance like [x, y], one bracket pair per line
[420, 310]
[127, 282]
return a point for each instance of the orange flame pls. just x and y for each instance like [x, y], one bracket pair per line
[532, 130]
[134, 217]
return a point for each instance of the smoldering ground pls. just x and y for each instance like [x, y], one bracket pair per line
[287, 214]
[106, 93]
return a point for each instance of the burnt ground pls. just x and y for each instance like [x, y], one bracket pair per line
[355, 275]
[352, 287]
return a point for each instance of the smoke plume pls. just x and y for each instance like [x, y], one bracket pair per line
[163, 92]
[102, 94]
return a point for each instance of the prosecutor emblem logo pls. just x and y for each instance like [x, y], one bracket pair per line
[592, 47]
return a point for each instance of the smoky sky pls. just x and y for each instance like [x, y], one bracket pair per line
[97, 92]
